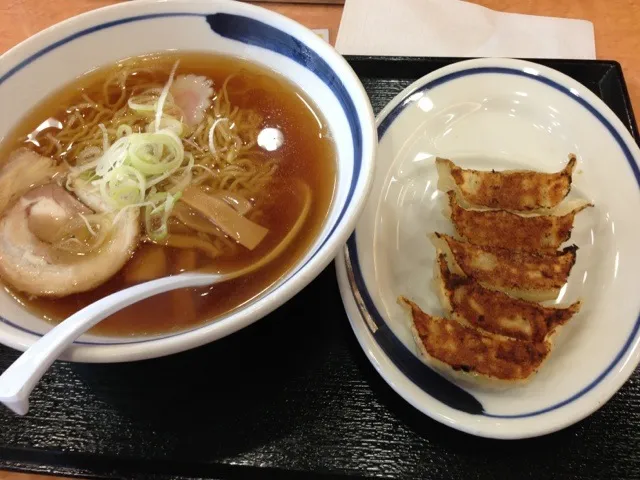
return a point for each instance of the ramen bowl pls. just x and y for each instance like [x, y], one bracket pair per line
[50, 60]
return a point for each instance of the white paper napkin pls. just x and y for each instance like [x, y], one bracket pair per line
[458, 29]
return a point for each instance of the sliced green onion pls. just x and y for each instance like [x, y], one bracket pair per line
[123, 131]
[168, 123]
[158, 213]
[131, 172]
[155, 153]
[114, 156]
[122, 186]
[163, 95]
[128, 174]
[145, 102]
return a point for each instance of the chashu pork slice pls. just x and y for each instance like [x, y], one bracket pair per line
[466, 353]
[529, 276]
[24, 170]
[468, 302]
[520, 190]
[505, 229]
[32, 264]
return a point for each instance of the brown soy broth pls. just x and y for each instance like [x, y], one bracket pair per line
[307, 154]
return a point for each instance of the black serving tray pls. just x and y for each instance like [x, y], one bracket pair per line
[294, 396]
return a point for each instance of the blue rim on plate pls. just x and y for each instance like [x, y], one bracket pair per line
[252, 32]
[404, 360]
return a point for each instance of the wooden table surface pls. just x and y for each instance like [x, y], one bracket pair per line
[615, 24]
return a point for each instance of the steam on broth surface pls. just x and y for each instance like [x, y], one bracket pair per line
[159, 165]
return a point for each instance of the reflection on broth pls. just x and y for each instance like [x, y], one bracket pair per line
[156, 166]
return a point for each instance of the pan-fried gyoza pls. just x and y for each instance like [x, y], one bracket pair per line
[504, 258]
[525, 275]
[468, 302]
[453, 348]
[522, 190]
[504, 229]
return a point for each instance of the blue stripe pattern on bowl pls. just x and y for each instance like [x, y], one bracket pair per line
[252, 32]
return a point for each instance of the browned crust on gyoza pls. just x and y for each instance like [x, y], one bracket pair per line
[500, 228]
[469, 302]
[461, 348]
[523, 190]
[526, 275]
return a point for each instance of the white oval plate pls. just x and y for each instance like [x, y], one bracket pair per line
[499, 113]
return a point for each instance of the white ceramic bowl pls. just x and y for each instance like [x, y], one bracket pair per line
[54, 57]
